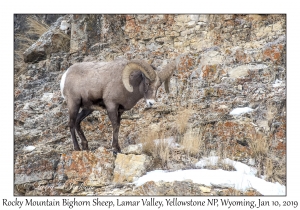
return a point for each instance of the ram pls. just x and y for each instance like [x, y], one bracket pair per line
[115, 86]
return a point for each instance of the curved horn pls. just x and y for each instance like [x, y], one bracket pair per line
[137, 65]
[150, 60]
[166, 73]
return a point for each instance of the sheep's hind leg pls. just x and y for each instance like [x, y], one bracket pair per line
[83, 114]
[73, 112]
[115, 117]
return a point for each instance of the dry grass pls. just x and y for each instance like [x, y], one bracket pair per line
[36, 27]
[192, 142]
[182, 120]
[271, 112]
[24, 43]
[275, 171]
[269, 167]
[162, 151]
[227, 167]
[259, 146]
[39, 28]
[220, 165]
[268, 163]
[155, 144]
[147, 138]
[232, 192]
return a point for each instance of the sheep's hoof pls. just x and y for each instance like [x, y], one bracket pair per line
[115, 152]
[76, 147]
[85, 146]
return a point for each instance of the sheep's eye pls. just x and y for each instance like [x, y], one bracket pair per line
[146, 86]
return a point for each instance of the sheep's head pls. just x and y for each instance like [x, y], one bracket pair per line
[150, 90]
[152, 80]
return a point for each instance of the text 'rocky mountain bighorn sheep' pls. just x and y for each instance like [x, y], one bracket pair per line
[115, 86]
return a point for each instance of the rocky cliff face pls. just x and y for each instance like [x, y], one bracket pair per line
[225, 62]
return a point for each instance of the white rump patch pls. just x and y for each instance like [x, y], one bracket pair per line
[62, 83]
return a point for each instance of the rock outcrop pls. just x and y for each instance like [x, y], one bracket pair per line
[129, 168]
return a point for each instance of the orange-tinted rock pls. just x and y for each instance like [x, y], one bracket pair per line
[92, 168]
[209, 71]
[281, 147]
[274, 53]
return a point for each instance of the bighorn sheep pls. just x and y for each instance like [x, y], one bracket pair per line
[115, 86]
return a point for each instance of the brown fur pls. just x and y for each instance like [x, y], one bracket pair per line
[167, 71]
[91, 85]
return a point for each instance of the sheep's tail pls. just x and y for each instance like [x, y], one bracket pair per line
[62, 83]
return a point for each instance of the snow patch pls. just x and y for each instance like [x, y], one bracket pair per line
[207, 161]
[238, 111]
[277, 83]
[47, 97]
[239, 167]
[257, 66]
[251, 162]
[29, 148]
[64, 25]
[242, 179]
[170, 141]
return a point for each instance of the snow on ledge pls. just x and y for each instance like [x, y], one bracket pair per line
[29, 148]
[238, 111]
[239, 167]
[277, 83]
[170, 141]
[242, 179]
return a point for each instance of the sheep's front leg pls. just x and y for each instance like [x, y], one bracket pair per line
[115, 118]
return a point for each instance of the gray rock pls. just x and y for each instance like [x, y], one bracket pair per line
[34, 168]
[50, 42]
[130, 167]
[133, 149]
